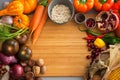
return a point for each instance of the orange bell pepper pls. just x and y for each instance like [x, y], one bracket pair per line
[83, 5]
[103, 5]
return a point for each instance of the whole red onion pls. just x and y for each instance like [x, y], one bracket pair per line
[7, 59]
[16, 71]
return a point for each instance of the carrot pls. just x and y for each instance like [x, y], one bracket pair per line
[38, 30]
[36, 17]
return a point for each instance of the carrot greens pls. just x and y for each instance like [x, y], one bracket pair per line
[8, 31]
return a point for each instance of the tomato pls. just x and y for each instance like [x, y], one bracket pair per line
[83, 5]
[103, 5]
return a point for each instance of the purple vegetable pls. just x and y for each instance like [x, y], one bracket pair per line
[7, 59]
[16, 71]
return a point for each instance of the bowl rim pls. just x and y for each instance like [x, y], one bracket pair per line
[72, 11]
[86, 23]
[75, 18]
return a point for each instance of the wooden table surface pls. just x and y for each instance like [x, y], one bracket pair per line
[63, 49]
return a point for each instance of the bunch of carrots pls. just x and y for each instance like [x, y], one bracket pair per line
[39, 19]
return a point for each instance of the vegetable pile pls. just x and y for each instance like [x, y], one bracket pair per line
[107, 25]
[16, 61]
[15, 25]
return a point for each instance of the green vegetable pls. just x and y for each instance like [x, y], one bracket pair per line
[93, 33]
[103, 1]
[9, 32]
[108, 38]
[111, 39]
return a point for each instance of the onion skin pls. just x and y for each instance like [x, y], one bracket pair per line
[7, 59]
[16, 71]
[5, 4]
[7, 20]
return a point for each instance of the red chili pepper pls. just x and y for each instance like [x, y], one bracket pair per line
[90, 35]
[88, 38]
[101, 36]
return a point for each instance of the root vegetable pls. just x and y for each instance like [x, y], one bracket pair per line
[7, 20]
[5, 4]
[7, 59]
[16, 71]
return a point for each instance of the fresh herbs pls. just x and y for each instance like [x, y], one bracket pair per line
[8, 32]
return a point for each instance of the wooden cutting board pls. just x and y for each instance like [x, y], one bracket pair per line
[63, 49]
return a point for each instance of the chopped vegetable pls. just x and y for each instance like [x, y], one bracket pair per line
[99, 43]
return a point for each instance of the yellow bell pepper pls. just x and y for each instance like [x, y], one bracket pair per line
[99, 43]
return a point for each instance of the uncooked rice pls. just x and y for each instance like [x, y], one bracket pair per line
[60, 13]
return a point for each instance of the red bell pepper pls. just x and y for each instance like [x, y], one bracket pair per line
[116, 7]
[103, 5]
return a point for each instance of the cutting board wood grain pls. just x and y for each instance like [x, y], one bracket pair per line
[63, 49]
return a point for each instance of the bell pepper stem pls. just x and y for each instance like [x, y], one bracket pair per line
[102, 1]
[43, 2]
[82, 1]
[115, 1]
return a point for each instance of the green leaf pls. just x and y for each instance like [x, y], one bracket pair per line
[5, 32]
[43, 2]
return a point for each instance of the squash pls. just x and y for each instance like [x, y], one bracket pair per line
[21, 21]
[14, 8]
[29, 5]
